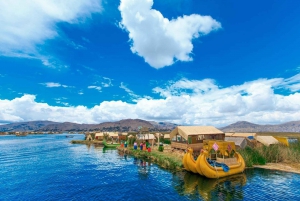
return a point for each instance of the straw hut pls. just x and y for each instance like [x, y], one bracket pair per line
[113, 135]
[266, 140]
[99, 136]
[167, 137]
[143, 137]
[89, 137]
[239, 142]
[122, 136]
[250, 138]
[244, 135]
[193, 136]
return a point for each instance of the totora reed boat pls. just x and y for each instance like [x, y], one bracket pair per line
[110, 145]
[217, 159]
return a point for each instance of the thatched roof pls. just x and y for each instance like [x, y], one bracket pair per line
[167, 136]
[186, 131]
[240, 135]
[113, 134]
[267, 140]
[145, 137]
[238, 141]
[99, 134]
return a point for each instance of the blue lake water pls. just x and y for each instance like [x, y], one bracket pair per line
[48, 167]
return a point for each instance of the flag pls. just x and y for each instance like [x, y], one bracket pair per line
[215, 146]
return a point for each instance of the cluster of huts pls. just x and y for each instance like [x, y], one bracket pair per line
[122, 136]
[183, 137]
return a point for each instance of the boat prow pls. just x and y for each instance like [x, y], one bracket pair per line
[222, 167]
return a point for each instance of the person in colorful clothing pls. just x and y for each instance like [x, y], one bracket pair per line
[135, 145]
[141, 146]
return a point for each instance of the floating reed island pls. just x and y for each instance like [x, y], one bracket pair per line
[166, 159]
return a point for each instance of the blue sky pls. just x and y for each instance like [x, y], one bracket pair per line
[190, 62]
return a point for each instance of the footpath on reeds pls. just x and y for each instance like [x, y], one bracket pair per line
[166, 160]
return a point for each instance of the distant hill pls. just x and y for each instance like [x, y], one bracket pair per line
[25, 126]
[134, 125]
[244, 126]
[123, 126]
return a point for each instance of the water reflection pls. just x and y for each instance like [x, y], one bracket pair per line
[197, 187]
[106, 149]
[144, 168]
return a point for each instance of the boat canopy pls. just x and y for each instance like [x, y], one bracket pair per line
[224, 147]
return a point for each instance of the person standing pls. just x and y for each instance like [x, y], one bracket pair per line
[141, 146]
[135, 145]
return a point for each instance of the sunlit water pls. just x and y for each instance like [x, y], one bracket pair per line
[48, 167]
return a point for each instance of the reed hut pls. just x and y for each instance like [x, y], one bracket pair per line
[113, 135]
[183, 137]
[266, 140]
[122, 136]
[89, 137]
[167, 137]
[143, 137]
[244, 135]
[239, 142]
[99, 136]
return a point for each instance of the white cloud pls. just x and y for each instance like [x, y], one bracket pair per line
[107, 82]
[95, 87]
[54, 84]
[129, 91]
[205, 103]
[160, 41]
[27, 24]
[292, 83]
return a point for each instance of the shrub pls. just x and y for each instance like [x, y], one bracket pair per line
[252, 157]
[160, 148]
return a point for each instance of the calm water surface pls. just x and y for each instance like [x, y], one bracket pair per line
[48, 167]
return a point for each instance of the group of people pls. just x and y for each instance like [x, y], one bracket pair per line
[145, 145]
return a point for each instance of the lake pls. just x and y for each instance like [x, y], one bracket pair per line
[49, 167]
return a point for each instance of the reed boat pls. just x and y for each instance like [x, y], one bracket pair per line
[226, 162]
[110, 145]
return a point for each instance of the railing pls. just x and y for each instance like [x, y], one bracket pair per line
[178, 145]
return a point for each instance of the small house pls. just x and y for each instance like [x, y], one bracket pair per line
[122, 136]
[113, 135]
[183, 137]
[99, 136]
[88, 137]
[266, 140]
[244, 135]
[143, 137]
[167, 137]
[240, 142]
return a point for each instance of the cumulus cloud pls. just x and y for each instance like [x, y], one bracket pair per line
[27, 24]
[185, 102]
[158, 40]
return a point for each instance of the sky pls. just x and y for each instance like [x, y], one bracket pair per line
[189, 62]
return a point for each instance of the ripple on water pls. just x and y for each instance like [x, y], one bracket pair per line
[48, 167]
